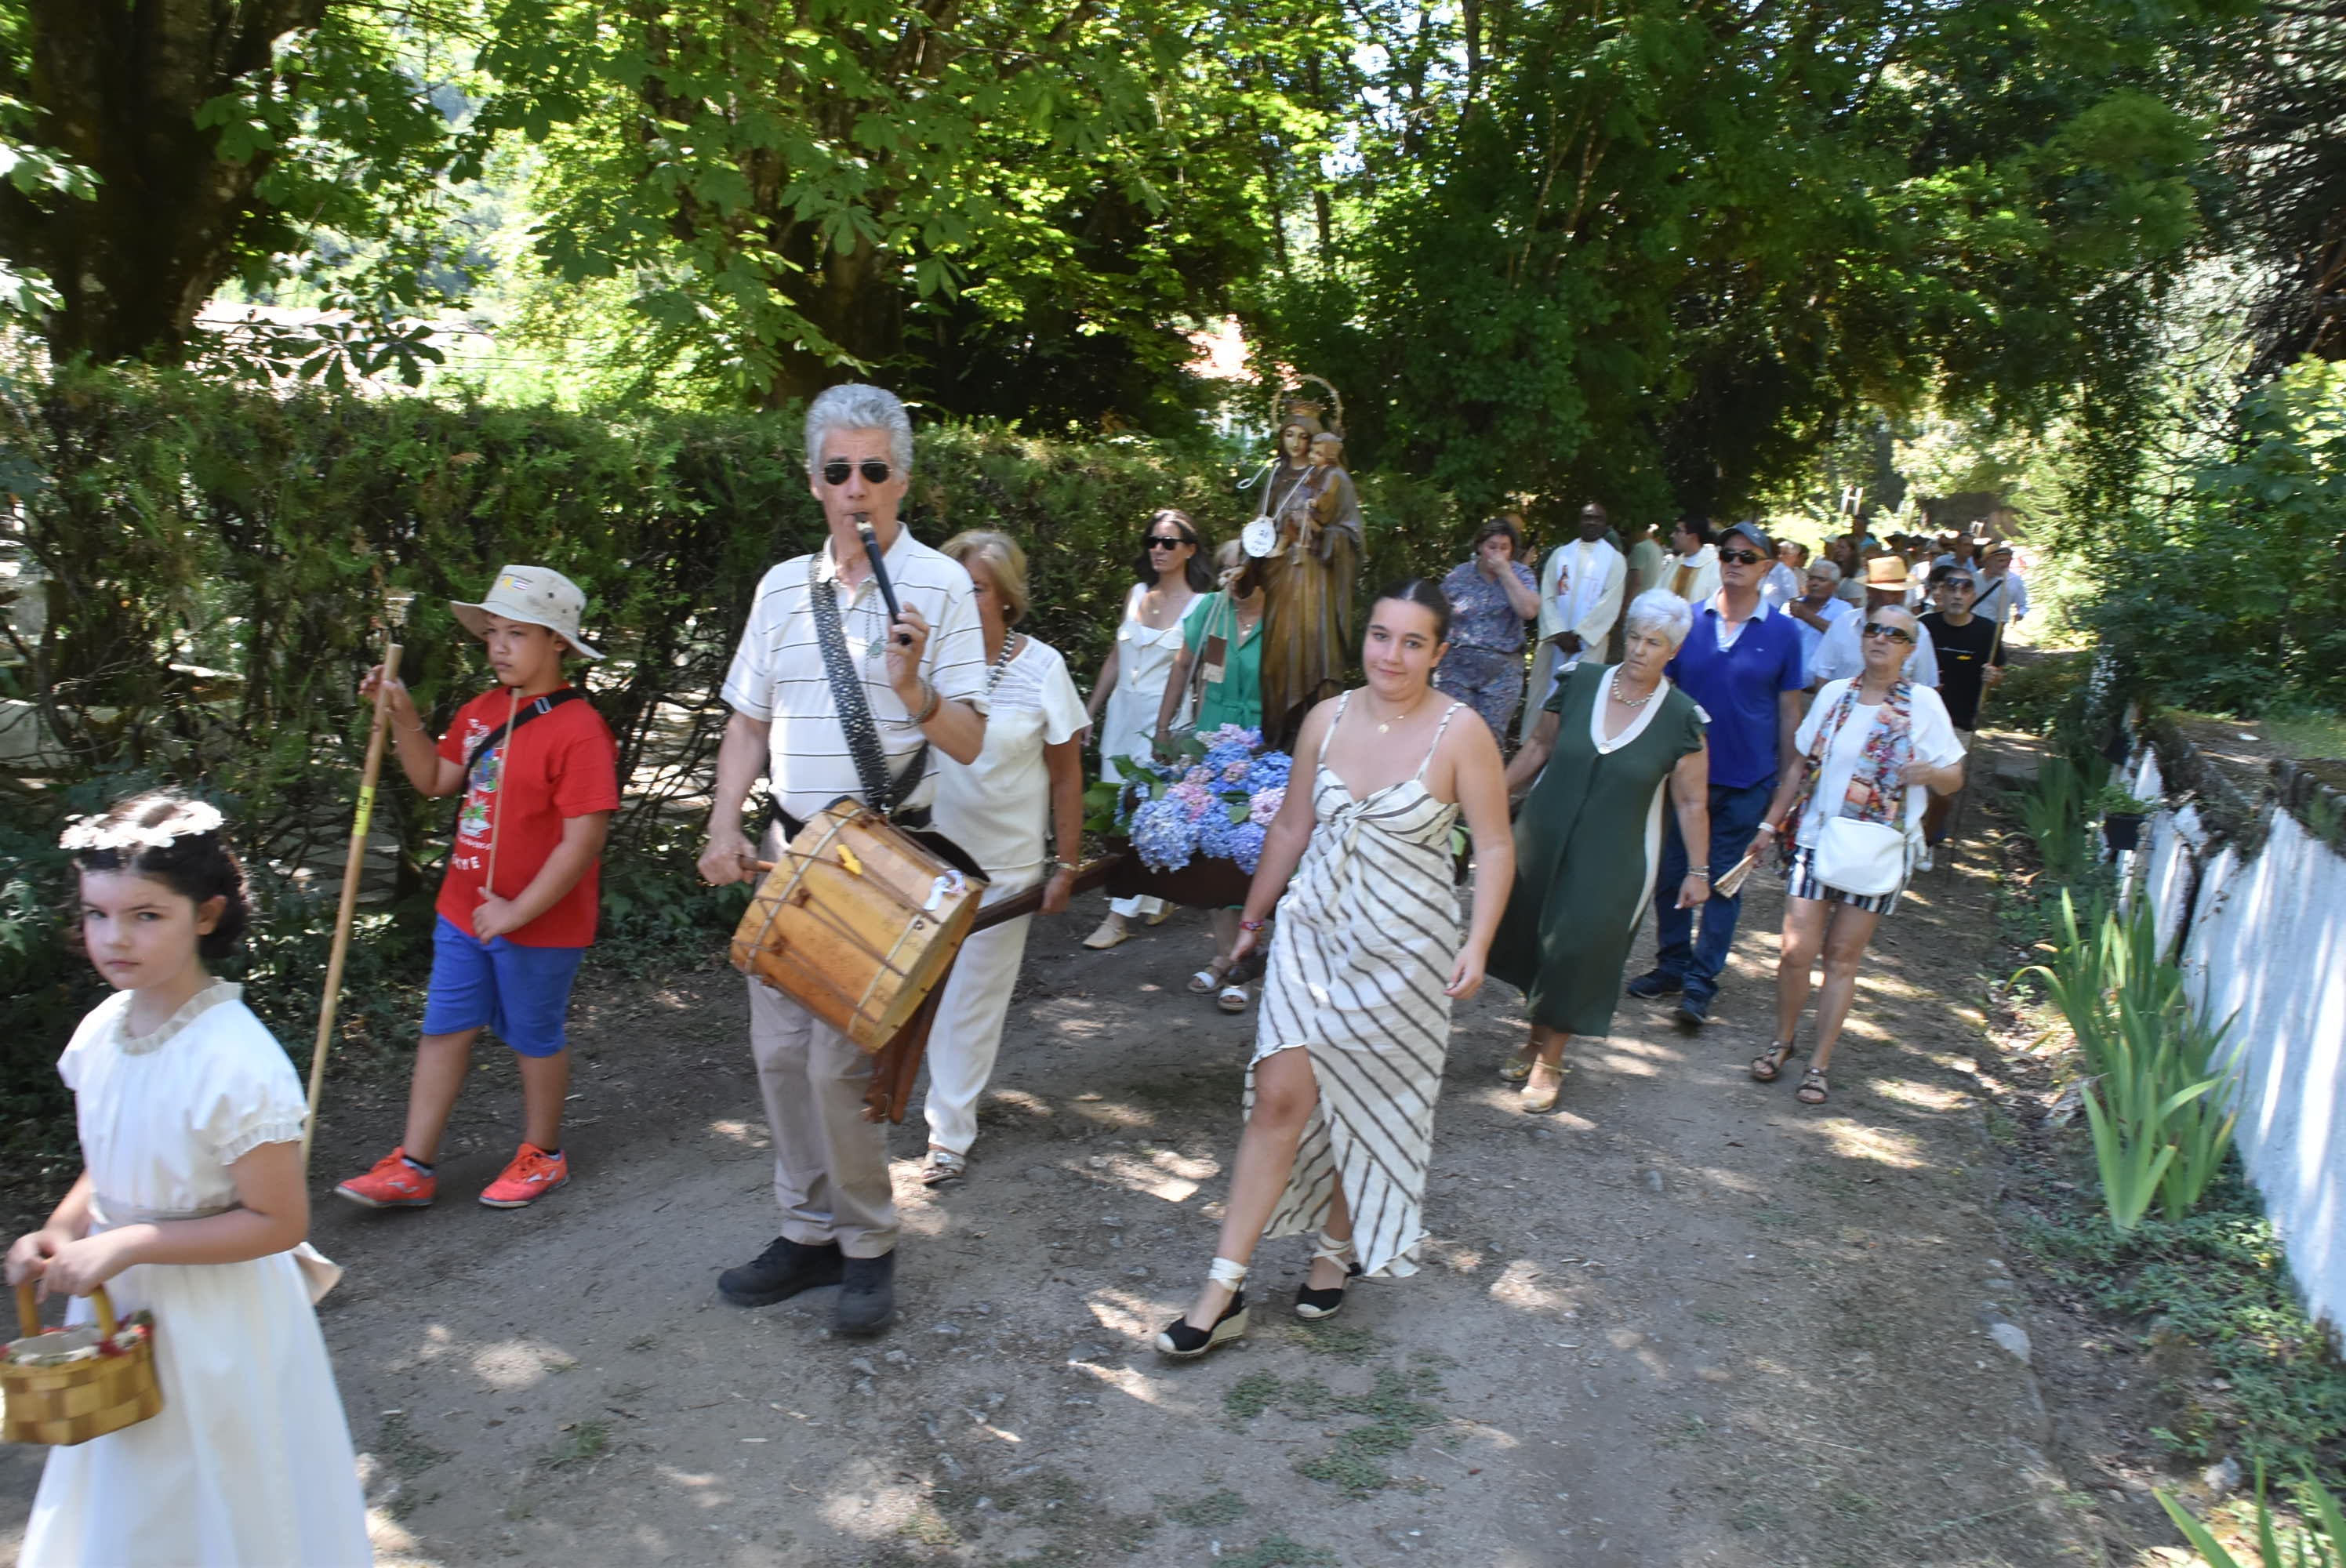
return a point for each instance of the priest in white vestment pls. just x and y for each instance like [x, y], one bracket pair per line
[1580, 598]
[1692, 571]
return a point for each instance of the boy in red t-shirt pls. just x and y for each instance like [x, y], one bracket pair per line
[540, 775]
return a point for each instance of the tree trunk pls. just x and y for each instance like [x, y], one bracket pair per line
[115, 88]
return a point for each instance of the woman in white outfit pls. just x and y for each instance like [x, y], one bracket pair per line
[1026, 789]
[1874, 746]
[1172, 571]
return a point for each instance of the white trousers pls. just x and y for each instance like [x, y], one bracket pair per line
[968, 1031]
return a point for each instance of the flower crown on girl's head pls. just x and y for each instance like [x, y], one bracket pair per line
[94, 832]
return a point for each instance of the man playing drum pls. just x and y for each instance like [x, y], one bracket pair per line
[923, 682]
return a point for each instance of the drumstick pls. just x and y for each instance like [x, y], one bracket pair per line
[354, 865]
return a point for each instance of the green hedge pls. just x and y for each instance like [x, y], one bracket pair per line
[215, 560]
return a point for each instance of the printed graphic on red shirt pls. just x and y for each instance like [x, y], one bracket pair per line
[517, 794]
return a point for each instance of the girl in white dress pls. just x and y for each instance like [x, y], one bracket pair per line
[1172, 571]
[190, 1205]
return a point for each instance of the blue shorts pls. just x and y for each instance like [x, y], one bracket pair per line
[522, 995]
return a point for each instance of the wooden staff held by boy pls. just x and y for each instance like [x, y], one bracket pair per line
[354, 864]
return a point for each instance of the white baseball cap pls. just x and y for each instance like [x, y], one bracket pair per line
[538, 595]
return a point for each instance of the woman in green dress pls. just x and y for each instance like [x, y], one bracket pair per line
[1588, 838]
[1221, 660]
[1221, 651]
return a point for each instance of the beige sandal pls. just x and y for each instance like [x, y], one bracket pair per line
[1536, 1100]
[1515, 1068]
[1111, 931]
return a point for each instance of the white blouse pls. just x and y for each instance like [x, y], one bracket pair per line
[998, 807]
[1935, 742]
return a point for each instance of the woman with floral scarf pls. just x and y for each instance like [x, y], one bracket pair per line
[1874, 747]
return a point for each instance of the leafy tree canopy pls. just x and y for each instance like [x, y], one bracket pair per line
[1009, 206]
[1659, 251]
[149, 153]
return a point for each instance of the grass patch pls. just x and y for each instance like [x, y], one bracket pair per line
[2215, 1287]
[398, 1445]
[1395, 1413]
[1251, 1396]
[928, 1527]
[583, 1443]
[1345, 1341]
[1213, 1510]
[1279, 1552]
[1079, 1531]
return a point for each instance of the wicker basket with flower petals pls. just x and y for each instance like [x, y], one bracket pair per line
[67, 1386]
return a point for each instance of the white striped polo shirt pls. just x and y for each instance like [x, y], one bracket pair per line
[778, 676]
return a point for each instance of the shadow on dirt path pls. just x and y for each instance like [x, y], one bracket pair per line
[1685, 1320]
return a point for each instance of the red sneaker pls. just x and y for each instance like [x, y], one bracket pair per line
[532, 1174]
[395, 1183]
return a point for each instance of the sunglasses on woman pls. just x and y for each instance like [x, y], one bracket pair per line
[836, 471]
[1884, 629]
[1168, 541]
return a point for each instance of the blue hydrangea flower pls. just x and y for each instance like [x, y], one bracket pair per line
[1164, 836]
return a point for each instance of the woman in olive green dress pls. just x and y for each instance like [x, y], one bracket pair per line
[1588, 838]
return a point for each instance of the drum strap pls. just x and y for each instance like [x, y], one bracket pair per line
[881, 793]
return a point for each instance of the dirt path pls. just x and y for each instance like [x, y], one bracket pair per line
[1684, 1321]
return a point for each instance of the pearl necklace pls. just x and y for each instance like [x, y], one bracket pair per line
[1632, 701]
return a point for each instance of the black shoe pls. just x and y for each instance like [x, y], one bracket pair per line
[1693, 1011]
[1653, 984]
[1184, 1343]
[1313, 1306]
[867, 1296]
[781, 1272]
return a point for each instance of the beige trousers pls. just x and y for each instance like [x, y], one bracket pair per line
[830, 1166]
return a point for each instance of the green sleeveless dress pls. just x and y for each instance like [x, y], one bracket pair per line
[1588, 843]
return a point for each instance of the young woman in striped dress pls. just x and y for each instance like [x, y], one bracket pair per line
[1364, 966]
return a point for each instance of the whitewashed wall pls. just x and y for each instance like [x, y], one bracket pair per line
[2264, 942]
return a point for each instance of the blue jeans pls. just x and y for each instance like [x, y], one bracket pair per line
[1695, 961]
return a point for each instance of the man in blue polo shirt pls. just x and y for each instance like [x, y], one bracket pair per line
[1743, 662]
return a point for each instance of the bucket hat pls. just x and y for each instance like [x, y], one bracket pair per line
[538, 595]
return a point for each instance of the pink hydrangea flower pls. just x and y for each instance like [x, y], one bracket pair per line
[1265, 806]
[1194, 798]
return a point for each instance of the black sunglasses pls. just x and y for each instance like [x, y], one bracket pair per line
[1168, 541]
[1884, 629]
[836, 471]
[1742, 557]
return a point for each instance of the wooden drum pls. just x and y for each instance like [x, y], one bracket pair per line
[857, 922]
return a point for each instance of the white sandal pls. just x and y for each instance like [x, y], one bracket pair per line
[1232, 999]
[943, 1168]
[1208, 978]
